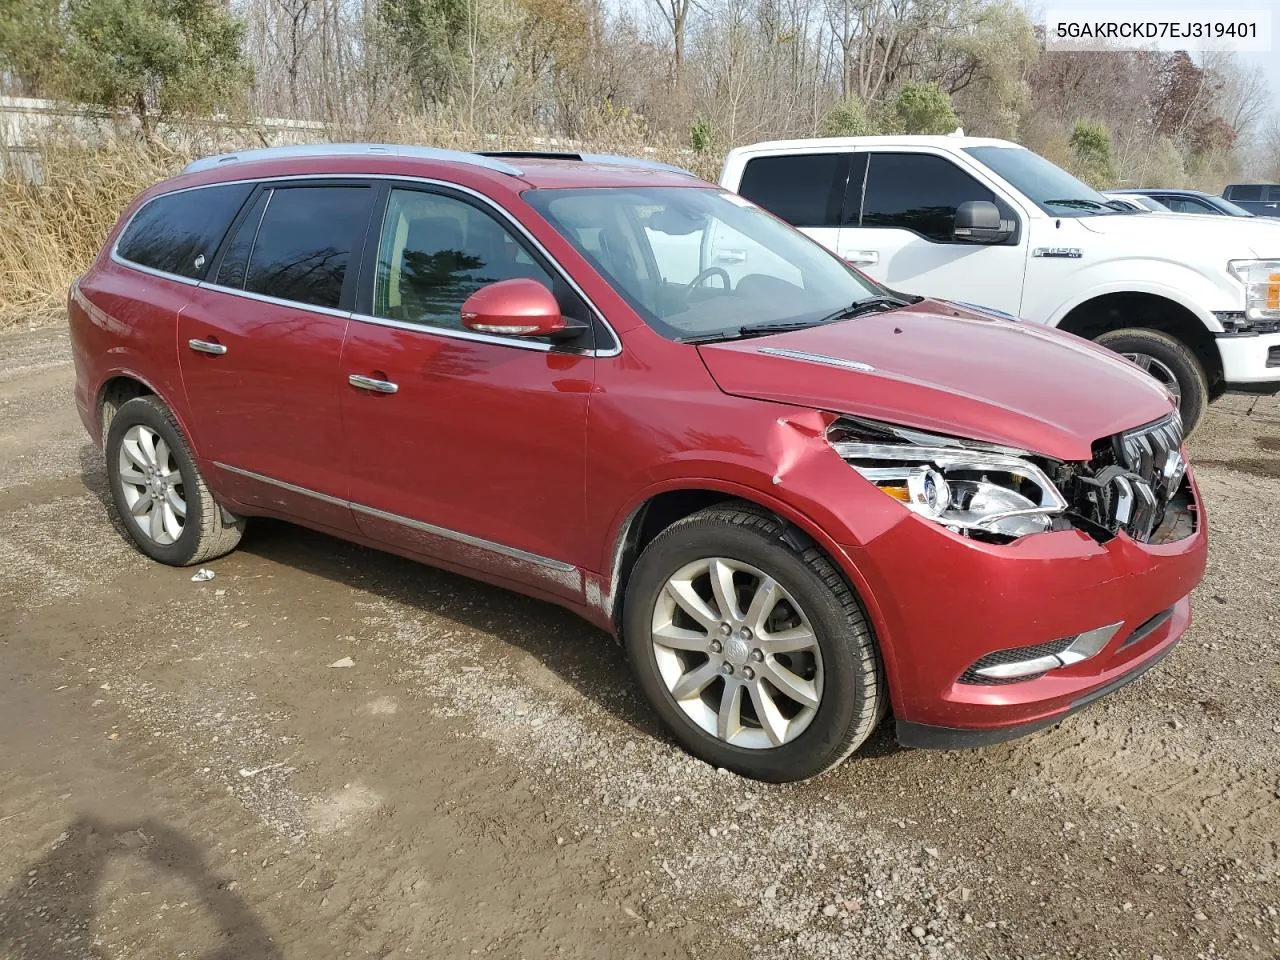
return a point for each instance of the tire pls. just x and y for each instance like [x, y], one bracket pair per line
[144, 443]
[1165, 358]
[842, 671]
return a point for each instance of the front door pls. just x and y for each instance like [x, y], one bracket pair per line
[464, 447]
[901, 233]
[260, 343]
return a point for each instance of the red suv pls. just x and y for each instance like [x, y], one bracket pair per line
[800, 500]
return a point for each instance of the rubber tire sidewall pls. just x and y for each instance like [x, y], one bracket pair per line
[1175, 355]
[825, 741]
[147, 411]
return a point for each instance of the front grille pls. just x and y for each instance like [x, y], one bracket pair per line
[1013, 655]
[1132, 478]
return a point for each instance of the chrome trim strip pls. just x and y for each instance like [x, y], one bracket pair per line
[462, 334]
[443, 532]
[322, 150]
[503, 215]
[163, 275]
[291, 487]
[818, 358]
[513, 552]
[278, 301]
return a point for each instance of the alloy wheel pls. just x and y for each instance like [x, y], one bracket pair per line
[1159, 370]
[737, 653]
[152, 485]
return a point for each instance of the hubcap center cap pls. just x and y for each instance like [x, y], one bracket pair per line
[736, 651]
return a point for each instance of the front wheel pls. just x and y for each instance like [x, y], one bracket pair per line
[755, 654]
[1170, 362]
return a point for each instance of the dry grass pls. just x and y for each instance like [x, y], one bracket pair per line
[51, 230]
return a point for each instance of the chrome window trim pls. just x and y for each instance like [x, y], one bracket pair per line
[412, 327]
[502, 215]
[278, 301]
[443, 532]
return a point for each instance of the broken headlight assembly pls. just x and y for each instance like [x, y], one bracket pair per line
[975, 489]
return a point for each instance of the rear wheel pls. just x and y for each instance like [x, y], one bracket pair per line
[755, 654]
[163, 500]
[1170, 362]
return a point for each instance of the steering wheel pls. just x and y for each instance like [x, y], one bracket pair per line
[705, 274]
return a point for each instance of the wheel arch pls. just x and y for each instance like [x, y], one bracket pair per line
[658, 509]
[1117, 310]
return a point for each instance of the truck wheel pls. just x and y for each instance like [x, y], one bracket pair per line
[1170, 362]
[755, 654]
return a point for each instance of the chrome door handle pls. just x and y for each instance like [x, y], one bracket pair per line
[372, 385]
[863, 258]
[204, 346]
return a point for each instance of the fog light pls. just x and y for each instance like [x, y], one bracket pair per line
[1007, 665]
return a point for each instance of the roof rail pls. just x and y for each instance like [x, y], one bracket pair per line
[611, 158]
[351, 150]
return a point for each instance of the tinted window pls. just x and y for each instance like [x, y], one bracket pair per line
[920, 193]
[180, 232]
[805, 190]
[236, 259]
[435, 251]
[1248, 191]
[1187, 205]
[305, 241]
[1048, 186]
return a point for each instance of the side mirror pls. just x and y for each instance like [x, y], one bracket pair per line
[978, 221]
[514, 308]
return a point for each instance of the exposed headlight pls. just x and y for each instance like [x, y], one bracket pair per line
[1261, 279]
[968, 486]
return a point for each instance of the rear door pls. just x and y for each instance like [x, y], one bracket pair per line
[260, 342]
[807, 190]
[899, 230]
[464, 447]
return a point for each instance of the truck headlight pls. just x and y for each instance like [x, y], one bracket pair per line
[1261, 279]
[965, 485]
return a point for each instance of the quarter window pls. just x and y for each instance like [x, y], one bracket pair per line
[919, 192]
[304, 243]
[806, 189]
[179, 232]
[435, 251]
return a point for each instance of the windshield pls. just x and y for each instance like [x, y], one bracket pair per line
[1048, 186]
[699, 262]
[1230, 208]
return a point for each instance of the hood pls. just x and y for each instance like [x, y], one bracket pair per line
[1235, 237]
[948, 370]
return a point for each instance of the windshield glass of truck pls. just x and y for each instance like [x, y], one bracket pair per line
[1049, 187]
[697, 263]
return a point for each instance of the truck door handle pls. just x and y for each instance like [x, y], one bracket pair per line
[371, 384]
[863, 258]
[206, 346]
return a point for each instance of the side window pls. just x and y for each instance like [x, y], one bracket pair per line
[1273, 193]
[919, 192]
[235, 262]
[1189, 205]
[1245, 191]
[435, 251]
[180, 232]
[805, 189]
[304, 243]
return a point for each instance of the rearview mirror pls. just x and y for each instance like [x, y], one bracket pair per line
[978, 221]
[514, 308]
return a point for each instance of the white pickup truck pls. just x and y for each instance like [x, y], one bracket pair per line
[1194, 300]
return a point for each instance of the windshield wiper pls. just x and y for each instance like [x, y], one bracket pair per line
[855, 309]
[1077, 204]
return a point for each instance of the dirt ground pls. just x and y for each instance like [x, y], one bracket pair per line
[183, 774]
